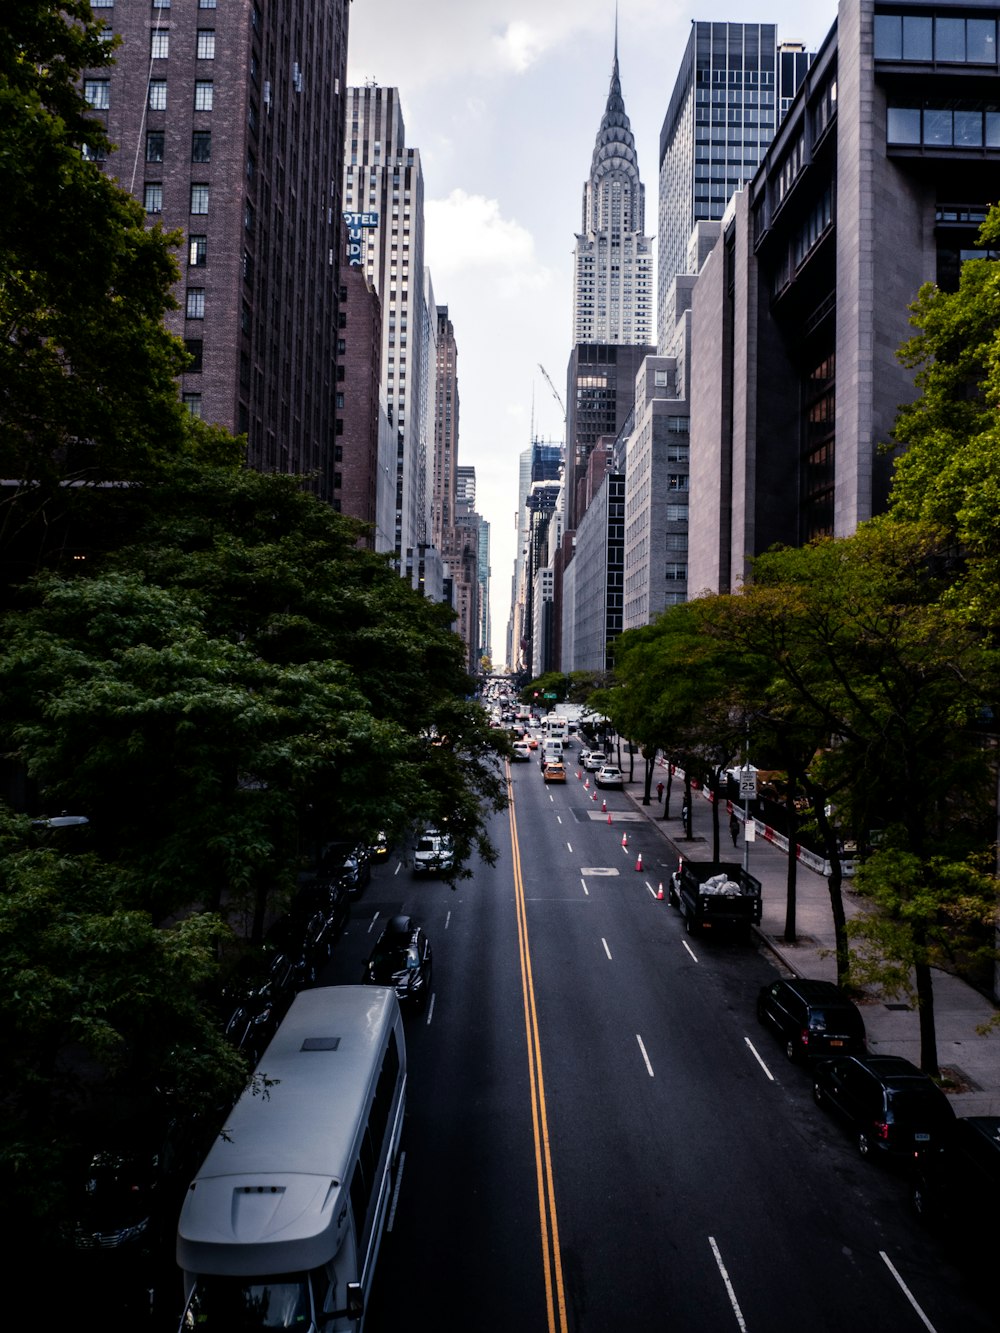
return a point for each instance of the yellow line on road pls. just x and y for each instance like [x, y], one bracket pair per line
[555, 1296]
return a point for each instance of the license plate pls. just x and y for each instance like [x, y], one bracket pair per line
[836, 1043]
[922, 1138]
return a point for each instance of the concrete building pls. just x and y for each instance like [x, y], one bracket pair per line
[875, 183]
[383, 200]
[613, 260]
[446, 403]
[231, 132]
[655, 467]
[600, 389]
[598, 567]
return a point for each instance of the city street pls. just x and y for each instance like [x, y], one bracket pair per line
[598, 1135]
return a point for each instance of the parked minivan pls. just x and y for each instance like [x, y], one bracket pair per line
[894, 1109]
[811, 1018]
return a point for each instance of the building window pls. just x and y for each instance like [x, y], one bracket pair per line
[203, 94]
[195, 350]
[199, 198]
[152, 198]
[161, 4]
[249, 215]
[97, 93]
[159, 44]
[157, 94]
[197, 251]
[192, 401]
[206, 4]
[102, 4]
[93, 153]
[201, 146]
[195, 307]
[154, 146]
[206, 44]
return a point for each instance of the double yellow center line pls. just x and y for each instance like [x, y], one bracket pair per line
[555, 1296]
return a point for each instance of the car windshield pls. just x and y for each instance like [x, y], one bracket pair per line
[389, 959]
[427, 845]
[228, 1305]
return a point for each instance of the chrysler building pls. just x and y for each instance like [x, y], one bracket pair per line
[613, 287]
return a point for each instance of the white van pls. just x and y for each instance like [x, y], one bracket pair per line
[552, 750]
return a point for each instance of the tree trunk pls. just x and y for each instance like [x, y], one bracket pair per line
[835, 881]
[648, 785]
[666, 791]
[713, 787]
[793, 862]
[925, 1013]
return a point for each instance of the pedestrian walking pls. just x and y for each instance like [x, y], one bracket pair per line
[686, 818]
[659, 791]
[734, 828]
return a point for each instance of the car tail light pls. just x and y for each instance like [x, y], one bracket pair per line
[804, 1037]
[882, 1129]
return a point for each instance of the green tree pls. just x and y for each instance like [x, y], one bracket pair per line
[249, 673]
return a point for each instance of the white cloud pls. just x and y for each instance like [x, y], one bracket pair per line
[466, 236]
[520, 46]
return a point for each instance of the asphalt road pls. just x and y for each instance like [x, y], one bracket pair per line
[599, 1136]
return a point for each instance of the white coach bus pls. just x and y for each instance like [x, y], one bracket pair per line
[281, 1227]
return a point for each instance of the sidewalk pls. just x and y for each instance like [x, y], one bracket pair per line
[970, 1060]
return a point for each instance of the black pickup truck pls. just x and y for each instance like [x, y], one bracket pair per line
[716, 896]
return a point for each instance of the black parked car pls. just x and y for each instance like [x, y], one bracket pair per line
[893, 1108]
[812, 1019]
[957, 1183]
[402, 959]
[348, 862]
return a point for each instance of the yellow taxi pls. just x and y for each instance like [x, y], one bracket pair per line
[554, 771]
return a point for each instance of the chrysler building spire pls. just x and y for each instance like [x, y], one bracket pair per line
[613, 289]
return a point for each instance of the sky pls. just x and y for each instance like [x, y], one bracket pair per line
[503, 99]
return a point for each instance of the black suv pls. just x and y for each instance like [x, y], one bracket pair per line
[957, 1182]
[892, 1107]
[812, 1019]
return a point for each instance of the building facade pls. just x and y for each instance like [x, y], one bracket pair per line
[613, 299]
[876, 183]
[232, 133]
[383, 201]
[720, 119]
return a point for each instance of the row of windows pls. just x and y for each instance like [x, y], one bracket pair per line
[97, 93]
[964, 41]
[201, 145]
[159, 44]
[949, 127]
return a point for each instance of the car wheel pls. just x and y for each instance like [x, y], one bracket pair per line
[918, 1199]
[864, 1144]
[791, 1051]
[819, 1096]
[687, 926]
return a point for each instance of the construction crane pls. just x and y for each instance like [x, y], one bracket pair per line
[555, 391]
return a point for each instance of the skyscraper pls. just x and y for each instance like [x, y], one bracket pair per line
[229, 129]
[718, 125]
[613, 262]
[384, 213]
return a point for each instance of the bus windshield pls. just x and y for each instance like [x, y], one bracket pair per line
[232, 1305]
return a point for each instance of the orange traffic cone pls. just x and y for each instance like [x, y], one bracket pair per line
[604, 805]
[593, 795]
[609, 816]
[659, 894]
[638, 861]
[579, 776]
[624, 839]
